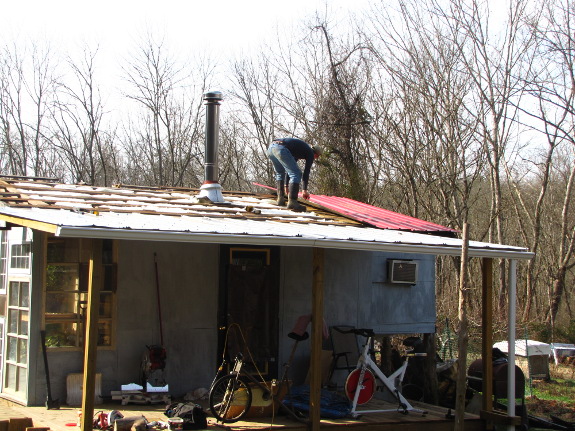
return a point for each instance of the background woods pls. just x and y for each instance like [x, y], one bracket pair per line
[443, 110]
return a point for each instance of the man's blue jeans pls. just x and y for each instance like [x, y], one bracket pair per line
[283, 162]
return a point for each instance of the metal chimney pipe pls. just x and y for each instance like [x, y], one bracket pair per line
[211, 188]
[212, 100]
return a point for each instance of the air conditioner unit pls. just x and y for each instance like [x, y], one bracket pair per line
[402, 272]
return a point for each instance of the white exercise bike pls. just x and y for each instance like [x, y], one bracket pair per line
[360, 385]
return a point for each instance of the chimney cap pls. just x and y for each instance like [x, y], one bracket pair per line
[213, 95]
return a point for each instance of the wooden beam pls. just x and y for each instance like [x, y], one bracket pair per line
[316, 338]
[19, 424]
[32, 224]
[430, 385]
[14, 189]
[487, 338]
[91, 340]
[500, 418]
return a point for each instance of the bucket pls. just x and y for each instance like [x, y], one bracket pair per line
[262, 404]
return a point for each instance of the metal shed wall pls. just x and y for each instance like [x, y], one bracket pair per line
[355, 293]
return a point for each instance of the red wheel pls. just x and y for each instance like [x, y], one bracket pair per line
[367, 388]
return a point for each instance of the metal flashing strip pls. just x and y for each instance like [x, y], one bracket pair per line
[221, 238]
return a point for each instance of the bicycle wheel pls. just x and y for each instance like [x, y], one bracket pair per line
[367, 386]
[230, 398]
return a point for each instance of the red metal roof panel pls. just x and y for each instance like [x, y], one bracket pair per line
[376, 216]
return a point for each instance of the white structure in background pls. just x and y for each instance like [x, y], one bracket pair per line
[531, 356]
[562, 350]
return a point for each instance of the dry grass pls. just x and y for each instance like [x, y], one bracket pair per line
[554, 397]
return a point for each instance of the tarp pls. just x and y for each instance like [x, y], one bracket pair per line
[332, 405]
[526, 348]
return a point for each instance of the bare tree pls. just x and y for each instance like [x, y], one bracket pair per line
[341, 113]
[432, 151]
[79, 138]
[28, 83]
[495, 62]
[552, 87]
[256, 116]
[164, 138]
[314, 88]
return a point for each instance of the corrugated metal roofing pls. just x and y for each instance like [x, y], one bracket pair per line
[375, 216]
[177, 214]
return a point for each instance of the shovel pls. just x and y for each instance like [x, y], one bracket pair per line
[50, 403]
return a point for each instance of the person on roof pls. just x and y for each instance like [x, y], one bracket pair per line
[284, 154]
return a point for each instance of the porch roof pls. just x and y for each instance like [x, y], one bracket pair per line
[178, 215]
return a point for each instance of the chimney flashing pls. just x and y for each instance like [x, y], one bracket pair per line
[212, 191]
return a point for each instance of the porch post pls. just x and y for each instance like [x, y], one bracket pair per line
[487, 336]
[316, 338]
[511, 341]
[91, 338]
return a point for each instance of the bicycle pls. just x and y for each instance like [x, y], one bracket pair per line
[231, 395]
[360, 385]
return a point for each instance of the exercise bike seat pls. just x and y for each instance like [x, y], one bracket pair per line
[298, 337]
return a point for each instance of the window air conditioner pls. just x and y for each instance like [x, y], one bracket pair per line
[402, 272]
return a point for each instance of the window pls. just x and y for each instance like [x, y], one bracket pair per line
[249, 256]
[2, 320]
[66, 298]
[15, 380]
[3, 261]
[20, 258]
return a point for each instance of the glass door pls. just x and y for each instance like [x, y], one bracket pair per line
[16, 358]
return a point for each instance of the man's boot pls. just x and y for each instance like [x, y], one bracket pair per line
[293, 204]
[281, 194]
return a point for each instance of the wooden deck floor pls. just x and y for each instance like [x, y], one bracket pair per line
[65, 418]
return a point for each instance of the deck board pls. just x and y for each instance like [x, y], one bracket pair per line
[434, 420]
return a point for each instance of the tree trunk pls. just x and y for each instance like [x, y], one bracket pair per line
[556, 295]
[463, 336]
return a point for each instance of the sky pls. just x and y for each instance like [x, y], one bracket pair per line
[115, 25]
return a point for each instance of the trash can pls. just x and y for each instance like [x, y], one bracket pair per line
[500, 381]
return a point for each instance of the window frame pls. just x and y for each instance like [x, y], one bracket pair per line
[25, 257]
[16, 364]
[4, 262]
[80, 298]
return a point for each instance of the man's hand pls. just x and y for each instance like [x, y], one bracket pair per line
[305, 194]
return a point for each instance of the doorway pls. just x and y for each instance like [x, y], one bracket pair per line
[248, 307]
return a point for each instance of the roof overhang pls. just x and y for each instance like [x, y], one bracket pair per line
[148, 227]
[213, 238]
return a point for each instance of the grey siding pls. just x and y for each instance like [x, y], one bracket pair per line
[188, 278]
[355, 293]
